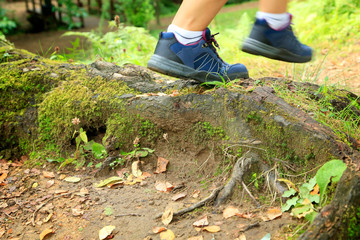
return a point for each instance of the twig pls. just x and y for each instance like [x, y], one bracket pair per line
[248, 227]
[46, 202]
[128, 214]
[210, 198]
[300, 228]
[250, 195]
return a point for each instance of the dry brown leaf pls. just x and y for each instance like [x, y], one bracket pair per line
[164, 186]
[161, 165]
[145, 175]
[198, 229]
[48, 174]
[48, 218]
[49, 183]
[195, 194]
[203, 221]
[135, 169]
[179, 196]
[242, 236]
[273, 213]
[212, 229]
[2, 231]
[246, 215]
[159, 229]
[105, 232]
[44, 233]
[77, 211]
[167, 216]
[62, 176]
[167, 235]
[315, 191]
[196, 238]
[3, 175]
[230, 211]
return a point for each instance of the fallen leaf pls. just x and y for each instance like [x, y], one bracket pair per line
[163, 186]
[62, 176]
[108, 211]
[35, 185]
[49, 183]
[315, 191]
[203, 221]
[161, 165]
[3, 205]
[72, 179]
[108, 181]
[179, 196]
[46, 232]
[195, 194]
[3, 175]
[135, 169]
[48, 217]
[11, 209]
[83, 192]
[60, 191]
[167, 235]
[2, 231]
[145, 175]
[242, 236]
[167, 216]
[272, 214]
[106, 231]
[246, 215]
[212, 229]
[196, 238]
[198, 229]
[77, 211]
[158, 229]
[48, 174]
[230, 211]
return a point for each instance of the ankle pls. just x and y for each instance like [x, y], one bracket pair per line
[184, 36]
[275, 21]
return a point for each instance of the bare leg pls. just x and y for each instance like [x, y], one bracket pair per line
[273, 6]
[196, 15]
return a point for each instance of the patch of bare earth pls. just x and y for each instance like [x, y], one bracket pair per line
[39, 201]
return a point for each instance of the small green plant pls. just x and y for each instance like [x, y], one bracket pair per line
[305, 201]
[83, 146]
[138, 152]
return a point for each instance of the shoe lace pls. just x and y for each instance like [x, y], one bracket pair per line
[213, 44]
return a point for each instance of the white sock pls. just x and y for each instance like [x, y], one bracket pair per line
[185, 36]
[275, 21]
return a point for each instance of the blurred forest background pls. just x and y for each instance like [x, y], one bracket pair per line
[84, 31]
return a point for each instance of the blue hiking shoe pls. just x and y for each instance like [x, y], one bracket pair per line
[199, 61]
[280, 45]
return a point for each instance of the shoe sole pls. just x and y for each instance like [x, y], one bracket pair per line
[255, 47]
[163, 65]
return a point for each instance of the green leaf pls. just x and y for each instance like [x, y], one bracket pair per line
[83, 136]
[289, 203]
[302, 209]
[314, 198]
[89, 145]
[331, 170]
[310, 186]
[289, 193]
[98, 165]
[58, 160]
[98, 150]
[90, 164]
[108, 211]
[149, 150]
[142, 153]
[311, 216]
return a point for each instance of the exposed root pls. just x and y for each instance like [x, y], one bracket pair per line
[250, 195]
[209, 199]
[236, 177]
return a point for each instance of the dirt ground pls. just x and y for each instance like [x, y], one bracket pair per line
[36, 200]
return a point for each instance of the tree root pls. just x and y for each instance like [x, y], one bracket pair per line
[236, 177]
[210, 198]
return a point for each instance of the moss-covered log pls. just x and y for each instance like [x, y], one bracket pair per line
[40, 98]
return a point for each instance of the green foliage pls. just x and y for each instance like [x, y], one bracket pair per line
[72, 10]
[330, 171]
[124, 45]
[354, 226]
[304, 201]
[204, 131]
[136, 12]
[6, 25]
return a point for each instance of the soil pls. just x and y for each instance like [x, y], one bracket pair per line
[81, 216]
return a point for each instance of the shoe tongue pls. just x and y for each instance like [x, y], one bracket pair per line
[207, 34]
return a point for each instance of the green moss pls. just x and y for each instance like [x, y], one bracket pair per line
[203, 132]
[354, 225]
[123, 127]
